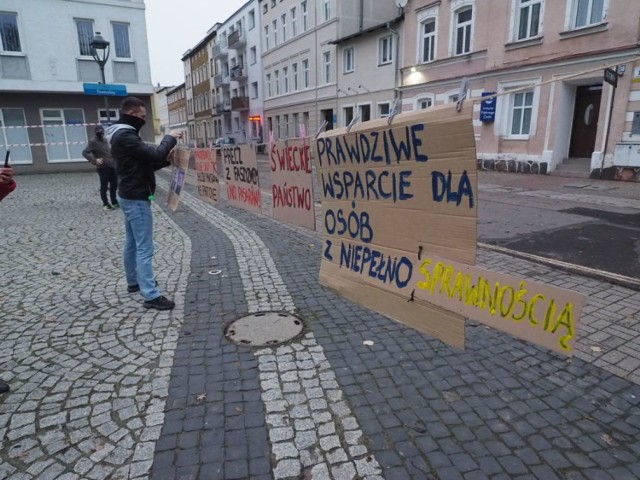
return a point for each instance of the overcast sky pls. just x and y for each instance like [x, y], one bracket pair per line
[174, 27]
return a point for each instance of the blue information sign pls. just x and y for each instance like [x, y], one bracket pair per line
[488, 108]
[105, 89]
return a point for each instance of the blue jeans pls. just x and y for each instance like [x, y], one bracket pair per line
[138, 246]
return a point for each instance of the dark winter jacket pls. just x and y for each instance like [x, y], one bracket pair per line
[98, 148]
[136, 161]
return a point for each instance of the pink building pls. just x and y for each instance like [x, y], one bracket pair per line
[546, 60]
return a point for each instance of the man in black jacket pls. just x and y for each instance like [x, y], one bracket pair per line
[98, 153]
[136, 163]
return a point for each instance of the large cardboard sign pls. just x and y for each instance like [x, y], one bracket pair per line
[389, 191]
[178, 176]
[400, 214]
[292, 182]
[240, 173]
[206, 174]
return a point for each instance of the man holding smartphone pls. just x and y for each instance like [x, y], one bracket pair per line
[136, 163]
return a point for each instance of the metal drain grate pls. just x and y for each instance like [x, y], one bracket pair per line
[264, 329]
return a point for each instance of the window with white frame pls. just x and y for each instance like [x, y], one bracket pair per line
[274, 32]
[347, 115]
[266, 37]
[305, 16]
[64, 133]
[254, 90]
[528, 18]
[326, 10]
[423, 103]
[253, 56]
[365, 112]
[276, 80]
[114, 114]
[15, 139]
[269, 89]
[326, 67]
[385, 50]
[463, 19]
[305, 74]
[453, 98]
[85, 34]
[283, 21]
[294, 22]
[122, 47]
[384, 109]
[348, 60]
[521, 113]
[252, 19]
[428, 40]
[10, 34]
[286, 125]
[587, 12]
[285, 78]
[294, 76]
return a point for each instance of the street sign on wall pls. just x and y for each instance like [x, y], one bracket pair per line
[611, 76]
[488, 108]
[105, 89]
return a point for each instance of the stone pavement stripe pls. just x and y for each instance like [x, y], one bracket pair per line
[305, 406]
[88, 366]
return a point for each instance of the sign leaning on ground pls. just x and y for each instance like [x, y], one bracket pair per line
[292, 182]
[400, 214]
[240, 173]
[206, 174]
[178, 176]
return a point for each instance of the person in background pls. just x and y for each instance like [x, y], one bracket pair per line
[99, 154]
[136, 163]
[7, 185]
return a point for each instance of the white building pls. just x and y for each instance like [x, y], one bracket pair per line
[237, 76]
[160, 112]
[43, 66]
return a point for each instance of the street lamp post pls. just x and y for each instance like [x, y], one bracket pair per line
[100, 51]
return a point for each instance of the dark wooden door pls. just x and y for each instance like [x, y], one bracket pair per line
[585, 121]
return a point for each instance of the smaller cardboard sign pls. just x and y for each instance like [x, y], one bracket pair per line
[292, 182]
[207, 174]
[240, 173]
[542, 314]
[488, 108]
[178, 177]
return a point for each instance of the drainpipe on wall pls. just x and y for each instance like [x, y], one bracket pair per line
[396, 93]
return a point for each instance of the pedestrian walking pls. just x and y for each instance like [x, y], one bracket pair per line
[7, 185]
[136, 163]
[98, 153]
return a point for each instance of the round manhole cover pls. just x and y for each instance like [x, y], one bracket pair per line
[264, 329]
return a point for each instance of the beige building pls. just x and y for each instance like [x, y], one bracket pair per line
[177, 110]
[301, 63]
[546, 59]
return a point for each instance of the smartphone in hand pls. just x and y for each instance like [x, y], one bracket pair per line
[6, 160]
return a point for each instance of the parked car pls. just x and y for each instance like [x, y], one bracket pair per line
[225, 142]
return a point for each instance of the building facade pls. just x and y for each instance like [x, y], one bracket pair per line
[237, 76]
[45, 116]
[160, 112]
[303, 46]
[545, 60]
[177, 110]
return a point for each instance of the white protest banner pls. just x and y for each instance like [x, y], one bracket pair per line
[292, 183]
[206, 174]
[240, 172]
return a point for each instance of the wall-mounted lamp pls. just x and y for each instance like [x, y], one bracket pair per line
[414, 69]
[364, 88]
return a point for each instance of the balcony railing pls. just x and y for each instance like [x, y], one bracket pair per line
[220, 50]
[239, 103]
[239, 73]
[220, 80]
[223, 107]
[237, 39]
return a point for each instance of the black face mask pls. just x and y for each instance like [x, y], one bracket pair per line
[100, 135]
[136, 122]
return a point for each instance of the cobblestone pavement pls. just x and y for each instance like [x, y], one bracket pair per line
[92, 372]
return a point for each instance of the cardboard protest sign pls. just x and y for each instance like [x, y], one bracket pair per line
[240, 172]
[388, 190]
[292, 182]
[206, 174]
[178, 176]
[547, 316]
[400, 214]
